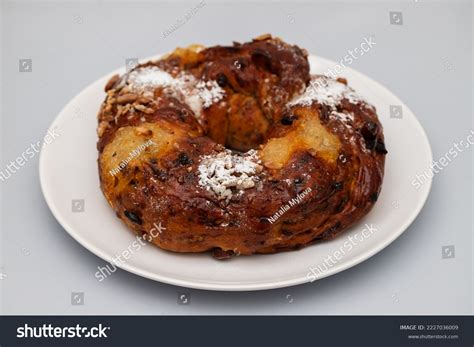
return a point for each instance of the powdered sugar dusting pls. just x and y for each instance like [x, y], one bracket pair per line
[197, 94]
[329, 92]
[150, 77]
[345, 117]
[325, 91]
[226, 171]
[209, 92]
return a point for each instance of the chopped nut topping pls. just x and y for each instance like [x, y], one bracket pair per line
[127, 98]
[263, 37]
[143, 109]
[102, 127]
[111, 83]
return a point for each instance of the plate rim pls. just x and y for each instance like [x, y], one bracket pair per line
[234, 287]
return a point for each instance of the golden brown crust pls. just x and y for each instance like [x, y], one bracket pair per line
[324, 161]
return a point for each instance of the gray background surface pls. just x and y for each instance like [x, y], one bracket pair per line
[427, 62]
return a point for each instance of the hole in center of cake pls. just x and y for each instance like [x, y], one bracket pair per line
[242, 127]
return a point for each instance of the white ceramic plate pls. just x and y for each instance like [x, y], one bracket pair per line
[68, 170]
